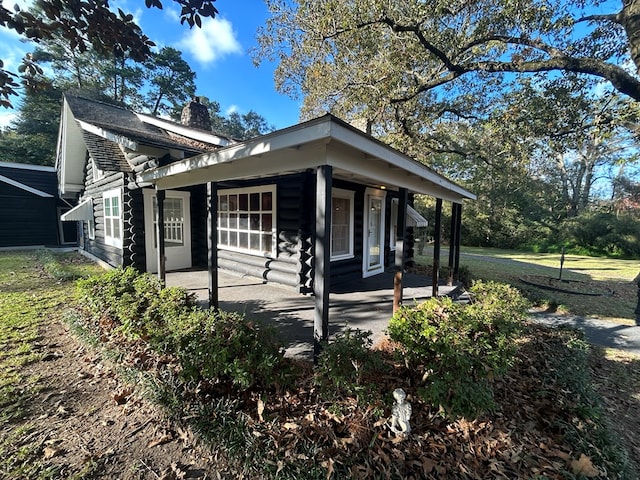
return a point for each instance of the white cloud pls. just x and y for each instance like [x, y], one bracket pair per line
[6, 117]
[173, 14]
[230, 110]
[215, 40]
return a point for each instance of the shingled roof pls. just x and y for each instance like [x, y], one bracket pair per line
[106, 154]
[125, 123]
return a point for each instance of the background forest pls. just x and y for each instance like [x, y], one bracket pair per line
[533, 106]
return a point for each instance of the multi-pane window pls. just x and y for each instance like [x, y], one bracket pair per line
[341, 224]
[112, 218]
[173, 222]
[246, 220]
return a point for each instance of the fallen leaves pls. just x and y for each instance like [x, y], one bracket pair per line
[584, 467]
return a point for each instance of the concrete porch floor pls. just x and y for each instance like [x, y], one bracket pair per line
[365, 304]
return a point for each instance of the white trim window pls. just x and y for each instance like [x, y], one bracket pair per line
[342, 224]
[393, 224]
[97, 173]
[247, 220]
[112, 203]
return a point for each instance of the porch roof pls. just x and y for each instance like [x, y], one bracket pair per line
[326, 140]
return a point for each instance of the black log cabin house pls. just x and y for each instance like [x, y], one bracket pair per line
[309, 205]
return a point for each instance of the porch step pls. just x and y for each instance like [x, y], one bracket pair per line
[460, 295]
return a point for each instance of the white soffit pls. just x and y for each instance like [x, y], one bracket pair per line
[375, 160]
[101, 132]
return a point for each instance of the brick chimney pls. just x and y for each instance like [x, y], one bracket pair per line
[196, 115]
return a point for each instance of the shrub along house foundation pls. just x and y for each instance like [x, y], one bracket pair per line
[306, 206]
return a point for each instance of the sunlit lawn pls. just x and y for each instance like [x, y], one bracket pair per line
[511, 266]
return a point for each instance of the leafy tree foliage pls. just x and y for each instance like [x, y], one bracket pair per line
[240, 126]
[172, 82]
[89, 23]
[401, 51]
[531, 105]
[32, 137]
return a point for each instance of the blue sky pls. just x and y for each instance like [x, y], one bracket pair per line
[218, 53]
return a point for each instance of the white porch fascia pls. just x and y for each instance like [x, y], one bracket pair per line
[372, 160]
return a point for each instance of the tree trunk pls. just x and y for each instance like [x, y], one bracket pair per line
[630, 19]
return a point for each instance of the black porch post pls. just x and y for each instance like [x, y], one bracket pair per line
[322, 273]
[212, 243]
[453, 247]
[456, 260]
[401, 235]
[436, 247]
[162, 273]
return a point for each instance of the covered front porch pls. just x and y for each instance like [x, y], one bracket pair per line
[318, 234]
[366, 304]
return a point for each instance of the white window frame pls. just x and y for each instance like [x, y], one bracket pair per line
[271, 188]
[348, 195]
[97, 173]
[110, 239]
[91, 229]
[393, 224]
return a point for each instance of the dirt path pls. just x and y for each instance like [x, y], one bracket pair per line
[85, 420]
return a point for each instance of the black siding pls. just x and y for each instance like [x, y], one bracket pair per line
[26, 219]
[43, 180]
[97, 247]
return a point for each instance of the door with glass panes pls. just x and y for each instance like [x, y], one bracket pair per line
[177, 230]
[374, 214]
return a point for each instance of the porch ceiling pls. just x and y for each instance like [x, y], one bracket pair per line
[353, 155]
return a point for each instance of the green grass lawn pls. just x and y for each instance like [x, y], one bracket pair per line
[34, 286]
[512, 266]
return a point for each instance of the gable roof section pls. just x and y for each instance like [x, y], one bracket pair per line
[140, 128]
[38, 177]
[108, 131]
[327, 140]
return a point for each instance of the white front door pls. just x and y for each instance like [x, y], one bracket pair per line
[177, 230]
[373, 261]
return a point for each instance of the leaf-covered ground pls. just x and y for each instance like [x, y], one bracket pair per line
[82, 416]
[86, 421]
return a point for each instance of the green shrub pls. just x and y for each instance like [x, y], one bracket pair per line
[459, 348]
[346, 364]
[211, 346]
[602, 233]
[219, 346]
[135, 302]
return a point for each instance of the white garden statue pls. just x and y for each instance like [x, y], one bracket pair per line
[400, 413]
